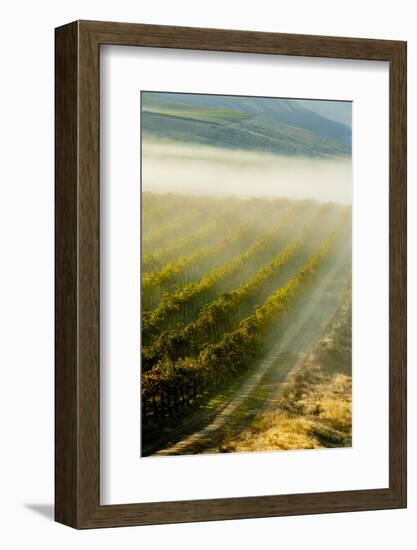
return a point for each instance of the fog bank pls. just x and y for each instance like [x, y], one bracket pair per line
[167, 167]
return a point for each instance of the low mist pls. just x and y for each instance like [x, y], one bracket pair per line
[187, 168]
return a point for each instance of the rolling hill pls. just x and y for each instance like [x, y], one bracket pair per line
[262, 124]
[338, 111]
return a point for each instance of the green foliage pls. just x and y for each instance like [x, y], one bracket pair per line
[222, 313]
[184, 267]
[162, 233]
[208, 233]
[161, 209]
[156, 104]
[188, 298]
[171, 384]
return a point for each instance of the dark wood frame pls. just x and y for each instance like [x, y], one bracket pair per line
[77, 374]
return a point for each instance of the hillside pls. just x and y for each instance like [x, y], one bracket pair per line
[273, 125]
[338, 111]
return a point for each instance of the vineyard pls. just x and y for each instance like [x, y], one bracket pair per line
[223, 279]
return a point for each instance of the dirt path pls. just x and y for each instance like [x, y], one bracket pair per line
[264, 385]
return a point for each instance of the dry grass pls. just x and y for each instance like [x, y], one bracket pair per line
[315, 407]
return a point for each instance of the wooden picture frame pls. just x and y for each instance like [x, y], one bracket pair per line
[77, 375]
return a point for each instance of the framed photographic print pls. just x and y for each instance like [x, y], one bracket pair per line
[230, 274]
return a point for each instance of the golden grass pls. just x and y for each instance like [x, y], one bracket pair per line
[321, 417]
[315, 406]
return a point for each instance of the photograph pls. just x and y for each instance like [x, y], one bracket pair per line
[209, 259]
[230, 274]
[246, 300]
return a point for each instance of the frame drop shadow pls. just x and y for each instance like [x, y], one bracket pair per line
[45, 510]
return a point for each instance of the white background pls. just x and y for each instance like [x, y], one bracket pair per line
[126, 478]
[26, 300]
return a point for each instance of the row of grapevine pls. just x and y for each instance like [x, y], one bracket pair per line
[173, 249]
[225, 311]
[188, 268]
[184, 303]
[220, 244]
[219, 315]
[156, 209]
[172, 385]
[177, 226]
[159, 210]
[209, 234]
[155, 216]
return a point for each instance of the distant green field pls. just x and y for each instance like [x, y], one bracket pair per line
[176, 109]
[231, 128]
